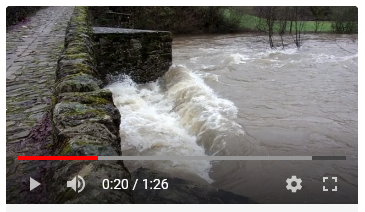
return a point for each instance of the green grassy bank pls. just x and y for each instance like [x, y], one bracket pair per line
[249, 22]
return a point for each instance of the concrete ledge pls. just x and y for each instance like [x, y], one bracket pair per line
[111, 30]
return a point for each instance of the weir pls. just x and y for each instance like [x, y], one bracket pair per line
[86, 121]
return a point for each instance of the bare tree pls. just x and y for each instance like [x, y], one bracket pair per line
[283, 15]
[280, 20]
[317, 25]
[298, 25]
[269, 15]
[291, 25]
[320, 14]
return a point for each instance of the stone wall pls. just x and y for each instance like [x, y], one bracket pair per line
[145, 55]
[85, 121]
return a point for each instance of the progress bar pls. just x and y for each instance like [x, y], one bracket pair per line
[212, 158]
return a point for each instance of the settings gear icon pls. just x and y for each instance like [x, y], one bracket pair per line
[298, 181]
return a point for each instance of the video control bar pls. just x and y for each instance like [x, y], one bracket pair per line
[211, 158]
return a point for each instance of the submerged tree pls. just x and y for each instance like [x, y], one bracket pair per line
[268, 14]
[277, 20]
[299, 24]
[282, 22]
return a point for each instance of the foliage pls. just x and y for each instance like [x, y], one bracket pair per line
[321, 13]
[213, 19]
[345, 19]
[15, 15]
[181, 19]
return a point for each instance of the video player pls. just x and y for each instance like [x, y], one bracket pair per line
[182, 105]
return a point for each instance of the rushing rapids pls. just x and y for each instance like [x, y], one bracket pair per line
[178, 115]
[230, 95]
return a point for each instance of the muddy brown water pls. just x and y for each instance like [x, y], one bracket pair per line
[232, 95]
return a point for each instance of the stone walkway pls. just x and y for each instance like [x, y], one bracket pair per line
[32, 50]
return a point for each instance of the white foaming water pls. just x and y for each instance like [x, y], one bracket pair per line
[149, 127]
[207, 66]
[238, 58]
[193, 60]
[204, 114]
[176, 116]
[325, 58]
[207, 75]
[209, 50]
[274, 53]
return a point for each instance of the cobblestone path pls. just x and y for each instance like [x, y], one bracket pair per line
[32, 50]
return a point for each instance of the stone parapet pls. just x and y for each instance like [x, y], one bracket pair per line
[85, 122]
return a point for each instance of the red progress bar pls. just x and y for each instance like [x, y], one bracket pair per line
[57, 157]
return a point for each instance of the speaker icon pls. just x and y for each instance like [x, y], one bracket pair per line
[80, 183]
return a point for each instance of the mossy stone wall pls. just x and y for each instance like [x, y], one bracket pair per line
[85, 122]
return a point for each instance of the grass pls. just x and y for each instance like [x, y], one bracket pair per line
[325, 26]
[251, 22]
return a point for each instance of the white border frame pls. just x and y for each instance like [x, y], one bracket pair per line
[263, 207]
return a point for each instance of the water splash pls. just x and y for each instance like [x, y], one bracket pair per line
[177, 115]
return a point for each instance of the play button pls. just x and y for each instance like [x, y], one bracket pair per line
[33, 184]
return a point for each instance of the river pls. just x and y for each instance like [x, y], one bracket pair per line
[232, 95]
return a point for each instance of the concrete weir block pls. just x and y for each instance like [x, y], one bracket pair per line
[145, 55]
